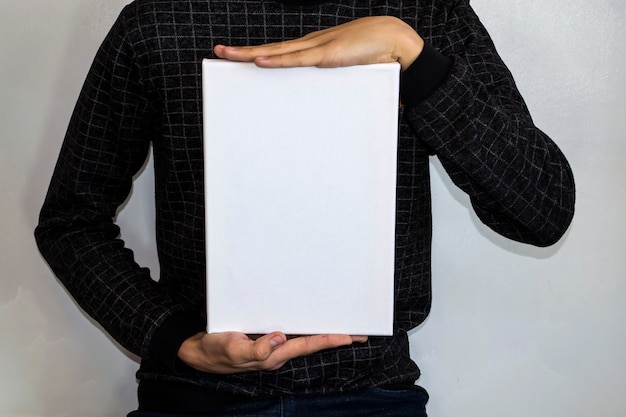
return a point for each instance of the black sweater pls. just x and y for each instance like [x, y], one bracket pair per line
[144, 88]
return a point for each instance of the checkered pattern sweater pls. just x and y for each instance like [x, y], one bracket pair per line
[144, 88]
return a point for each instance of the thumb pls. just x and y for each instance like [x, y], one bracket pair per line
[265, 345]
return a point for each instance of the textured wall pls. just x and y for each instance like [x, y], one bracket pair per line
[514, 330]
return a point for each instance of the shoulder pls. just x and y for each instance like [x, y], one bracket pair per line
[144, 20]
[142, 12]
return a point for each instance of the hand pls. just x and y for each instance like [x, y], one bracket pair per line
[229, 353]
[368, 40]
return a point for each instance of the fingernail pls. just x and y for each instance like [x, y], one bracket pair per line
[275, 341]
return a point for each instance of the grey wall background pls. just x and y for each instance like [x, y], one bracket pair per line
[514, 330]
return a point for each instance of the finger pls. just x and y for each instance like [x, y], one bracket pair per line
[301, 346]
[359, 339]
[260, 349]
[313, 57]
[296, 347]
[306, 345]
[249, 53]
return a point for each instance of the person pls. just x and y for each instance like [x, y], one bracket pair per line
[459, 102]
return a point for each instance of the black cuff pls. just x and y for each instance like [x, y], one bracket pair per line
[424, 75]
[170, 336]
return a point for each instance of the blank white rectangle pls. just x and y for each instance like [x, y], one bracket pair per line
[300, 182]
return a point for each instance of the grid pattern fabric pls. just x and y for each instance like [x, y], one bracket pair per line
[145, 88]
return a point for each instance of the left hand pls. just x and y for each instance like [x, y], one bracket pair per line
[368, 40]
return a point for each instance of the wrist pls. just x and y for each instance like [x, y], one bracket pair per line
[189, 351]
[171, 334]
[409, 45]
[424, 76]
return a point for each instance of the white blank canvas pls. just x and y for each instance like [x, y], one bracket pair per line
[300, 180]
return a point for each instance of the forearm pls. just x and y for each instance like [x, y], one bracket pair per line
[84, 252]
[519, 182]
[478, 125]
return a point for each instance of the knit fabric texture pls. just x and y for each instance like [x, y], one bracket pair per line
[144, 89]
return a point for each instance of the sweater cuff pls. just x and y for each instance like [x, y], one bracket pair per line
[424, 76]
[168, 338]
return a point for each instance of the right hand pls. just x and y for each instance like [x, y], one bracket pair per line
[229, 353]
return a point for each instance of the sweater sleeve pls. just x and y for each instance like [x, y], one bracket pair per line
[106, 143]
[424, 76]
[476, 122]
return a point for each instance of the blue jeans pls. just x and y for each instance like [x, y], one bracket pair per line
[372, 402]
